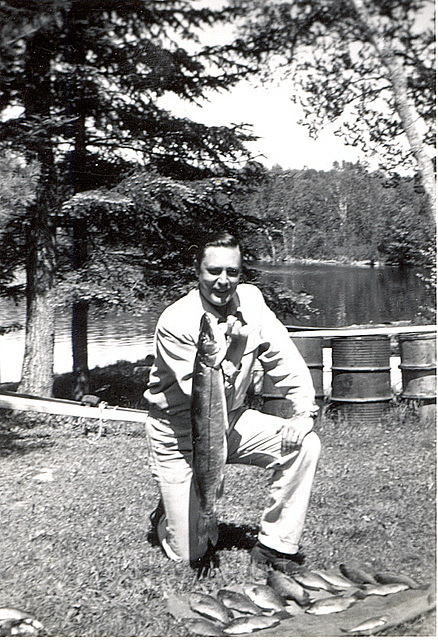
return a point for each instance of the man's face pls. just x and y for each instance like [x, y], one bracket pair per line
[219, 274]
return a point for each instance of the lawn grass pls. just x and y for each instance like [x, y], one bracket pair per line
[75, 551]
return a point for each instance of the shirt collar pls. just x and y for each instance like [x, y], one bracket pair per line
[233, 308]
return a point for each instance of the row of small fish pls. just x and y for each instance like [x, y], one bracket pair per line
[262, 606]
[234, 613]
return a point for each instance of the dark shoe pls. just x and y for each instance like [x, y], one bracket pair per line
[286, 562]
[155, 518]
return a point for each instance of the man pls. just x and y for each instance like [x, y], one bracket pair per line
[287, 446]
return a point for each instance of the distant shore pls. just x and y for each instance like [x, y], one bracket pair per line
[338, 262]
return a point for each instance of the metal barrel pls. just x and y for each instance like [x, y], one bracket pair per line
[418, 369]
[361, 376]
[311, 350]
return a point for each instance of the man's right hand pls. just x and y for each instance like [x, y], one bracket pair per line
[237, 334]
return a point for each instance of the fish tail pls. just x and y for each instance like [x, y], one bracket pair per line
[208, 529]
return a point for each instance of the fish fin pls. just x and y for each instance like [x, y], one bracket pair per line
[220, 489]
[208, 529]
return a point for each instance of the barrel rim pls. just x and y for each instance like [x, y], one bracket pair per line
[373, 338]
[360, 400]
[418, 367]
[406, 337]
[356, 369]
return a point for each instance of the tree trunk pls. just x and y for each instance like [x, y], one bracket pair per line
[405, 109]
[79, 336]
[37, 370]
[79, 329]
[271, 246]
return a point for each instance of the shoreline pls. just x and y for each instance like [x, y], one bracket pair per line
[370, 264]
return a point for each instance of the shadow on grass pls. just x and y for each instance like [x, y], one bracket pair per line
[12, 442]
[236, 536]
[231, 536]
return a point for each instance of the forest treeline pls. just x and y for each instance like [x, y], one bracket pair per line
[345, 214]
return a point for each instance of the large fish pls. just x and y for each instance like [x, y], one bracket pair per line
[367, 626]
[358, 574]
[238, 602]
[209, 427]
[384, 589]
[203, 627]
[335, 579]
[333, 604]
[248, 624]
[287, 587]
[310, 580]
[387, 577]
[209, 607]
[265, 597]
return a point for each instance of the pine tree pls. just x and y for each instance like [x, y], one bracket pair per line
[85, 78]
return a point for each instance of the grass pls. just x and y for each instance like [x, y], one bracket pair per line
[76, 553]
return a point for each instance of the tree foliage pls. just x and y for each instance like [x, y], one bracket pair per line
[367, 65]
[80, 85]
[346, 213]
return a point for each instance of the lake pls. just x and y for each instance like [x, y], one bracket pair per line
[343, 295]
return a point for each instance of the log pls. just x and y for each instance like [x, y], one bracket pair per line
[55, 406]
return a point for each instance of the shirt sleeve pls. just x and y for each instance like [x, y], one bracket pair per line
[175, 354]
[284, 365]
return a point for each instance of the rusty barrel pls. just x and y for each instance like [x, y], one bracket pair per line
[310, 347]
[361, 376]
[418, 369]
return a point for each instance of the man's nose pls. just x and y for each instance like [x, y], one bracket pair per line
[223, 277]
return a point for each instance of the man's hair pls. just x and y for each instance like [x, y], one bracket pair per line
[216, 239]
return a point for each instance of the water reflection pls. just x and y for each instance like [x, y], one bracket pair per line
[346, 295]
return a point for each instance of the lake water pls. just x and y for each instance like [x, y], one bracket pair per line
[343, 295]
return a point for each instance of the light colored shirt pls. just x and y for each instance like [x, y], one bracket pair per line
[175, 347]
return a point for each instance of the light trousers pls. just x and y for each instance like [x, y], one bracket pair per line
[253, 438]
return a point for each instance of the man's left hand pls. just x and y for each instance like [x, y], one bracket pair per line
[293, 432]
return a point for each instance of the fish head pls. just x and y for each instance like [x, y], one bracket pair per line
[211, 342]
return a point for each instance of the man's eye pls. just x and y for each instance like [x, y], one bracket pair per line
[233, 272]
[214, 272]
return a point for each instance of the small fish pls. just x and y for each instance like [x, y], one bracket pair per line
[384, 589]
[12, 614]
[288, 588]
[335, 579]
[238, 601]
[209, 607]
[248, 624]
[357, 574]
[387, 577]
[264, 597]
[332, 605]
[200, 627]
[24, 628]
[367, 625]
[311, 580]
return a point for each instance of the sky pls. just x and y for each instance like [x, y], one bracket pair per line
[274, 118]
